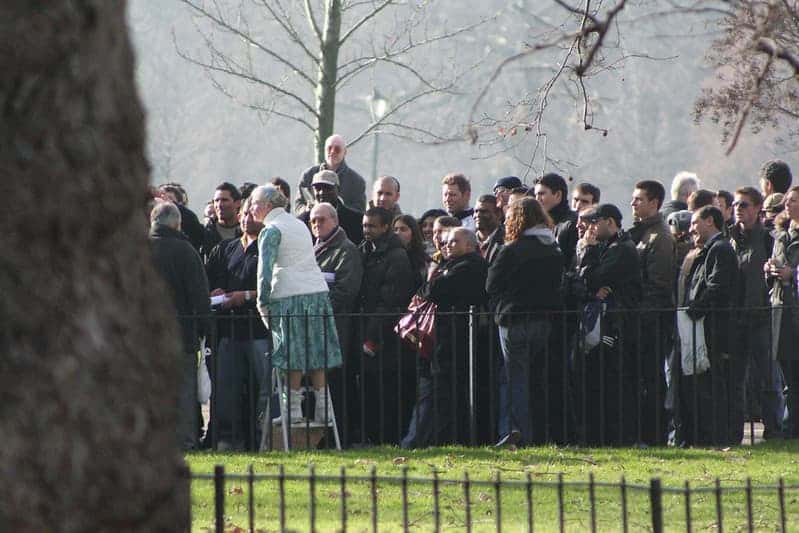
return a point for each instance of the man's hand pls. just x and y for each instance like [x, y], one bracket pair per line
[234, 299]
[603, 293]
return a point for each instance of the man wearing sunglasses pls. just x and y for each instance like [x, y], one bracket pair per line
[352, 187]
[751, 355]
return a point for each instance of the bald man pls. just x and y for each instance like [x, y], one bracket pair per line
[386, 194]
[352, 185]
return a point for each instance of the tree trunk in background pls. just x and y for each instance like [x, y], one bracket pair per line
[327, 76]
[88, 349]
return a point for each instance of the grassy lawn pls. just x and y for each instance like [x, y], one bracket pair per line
[764, 464]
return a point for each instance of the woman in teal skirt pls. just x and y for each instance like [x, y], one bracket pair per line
[293, 300]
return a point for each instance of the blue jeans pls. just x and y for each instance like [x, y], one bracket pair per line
[522, 343]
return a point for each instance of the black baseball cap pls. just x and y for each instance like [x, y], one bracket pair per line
[508, 182]
[603, 211]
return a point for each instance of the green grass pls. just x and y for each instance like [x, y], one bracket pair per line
[764, 464]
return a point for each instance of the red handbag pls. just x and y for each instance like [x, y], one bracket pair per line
[417, 327]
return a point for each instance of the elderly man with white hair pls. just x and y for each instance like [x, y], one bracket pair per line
[342, 266]
[352, 185]
[182, 269]
[293, 301]
[683, 184]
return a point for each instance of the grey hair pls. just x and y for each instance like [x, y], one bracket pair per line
[471, 237]
[165, 214]
[324, 206]
[268, 194]
[683, 185]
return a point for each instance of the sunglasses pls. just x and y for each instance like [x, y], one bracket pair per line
[741, 204]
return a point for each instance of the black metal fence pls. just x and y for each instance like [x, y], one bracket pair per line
[314, 502]
[622, 383]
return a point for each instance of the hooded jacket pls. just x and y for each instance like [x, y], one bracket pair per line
[525, 276]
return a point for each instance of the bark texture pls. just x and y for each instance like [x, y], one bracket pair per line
[88, 346]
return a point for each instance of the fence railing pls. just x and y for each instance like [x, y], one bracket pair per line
[315, 502]
[625, 382]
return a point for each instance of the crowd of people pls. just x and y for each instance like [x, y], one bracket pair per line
[555, 319]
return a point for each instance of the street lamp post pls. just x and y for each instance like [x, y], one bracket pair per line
[378, 106]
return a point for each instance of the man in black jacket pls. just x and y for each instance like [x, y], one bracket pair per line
[710, 293]
[239, 359]
[325, 186]
[553, 193]
[612, 275]
[441, 415]
[227, 201]
[751, 354]
[387, 387]
[353, 186]
[488, 226]
[182, 270]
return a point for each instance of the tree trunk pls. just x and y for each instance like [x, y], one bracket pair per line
[327, 76]
[88, 367]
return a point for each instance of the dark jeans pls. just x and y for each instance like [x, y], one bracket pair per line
[523, 343]
[752, 354]
[187, 403]
[239, 390]
[704, 405]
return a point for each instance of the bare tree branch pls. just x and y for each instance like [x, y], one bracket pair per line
[772, 49]
[312, 21]
[222, 23]
[366, 18]
[289, 29]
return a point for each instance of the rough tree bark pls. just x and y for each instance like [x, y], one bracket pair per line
[88, 364]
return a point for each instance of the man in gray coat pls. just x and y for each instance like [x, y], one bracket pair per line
[342, 265]
[182, 269]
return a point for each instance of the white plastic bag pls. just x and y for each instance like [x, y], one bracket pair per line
[203, 379]
[692, 344]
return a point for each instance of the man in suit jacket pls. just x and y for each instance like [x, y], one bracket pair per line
[489, 230]
[710, 290]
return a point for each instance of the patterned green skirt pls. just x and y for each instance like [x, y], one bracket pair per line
[304, 333]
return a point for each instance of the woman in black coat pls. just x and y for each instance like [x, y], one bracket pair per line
[440, 415]
[523, 285]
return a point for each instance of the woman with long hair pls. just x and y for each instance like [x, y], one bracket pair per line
[781, 271]
[407, 229]
[523, 285]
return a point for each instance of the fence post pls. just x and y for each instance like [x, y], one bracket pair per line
[656, 503]
[472, 420]
[219, 498]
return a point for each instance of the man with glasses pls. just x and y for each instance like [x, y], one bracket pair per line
[502, 190]
[751, 354]
[352, 185]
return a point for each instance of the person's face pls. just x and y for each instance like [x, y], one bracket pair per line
[486, 217]
[335, 150]
[582, 227]
[503, 198]
[403, 231]
[457, 245]
[427, 229]
[225, 207]
[603, 228]
[515, 197]
[642, 206]
[792, 205]
[373, 228]
[765, 186]
[453, 199]
[726, 210]
[259, 210]
[385, 194]
[581, 200]
[546, 197]
[439, 236]
[322, 192]
[701, 229]
[248, 224]
[322, 224]
[745, 211]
